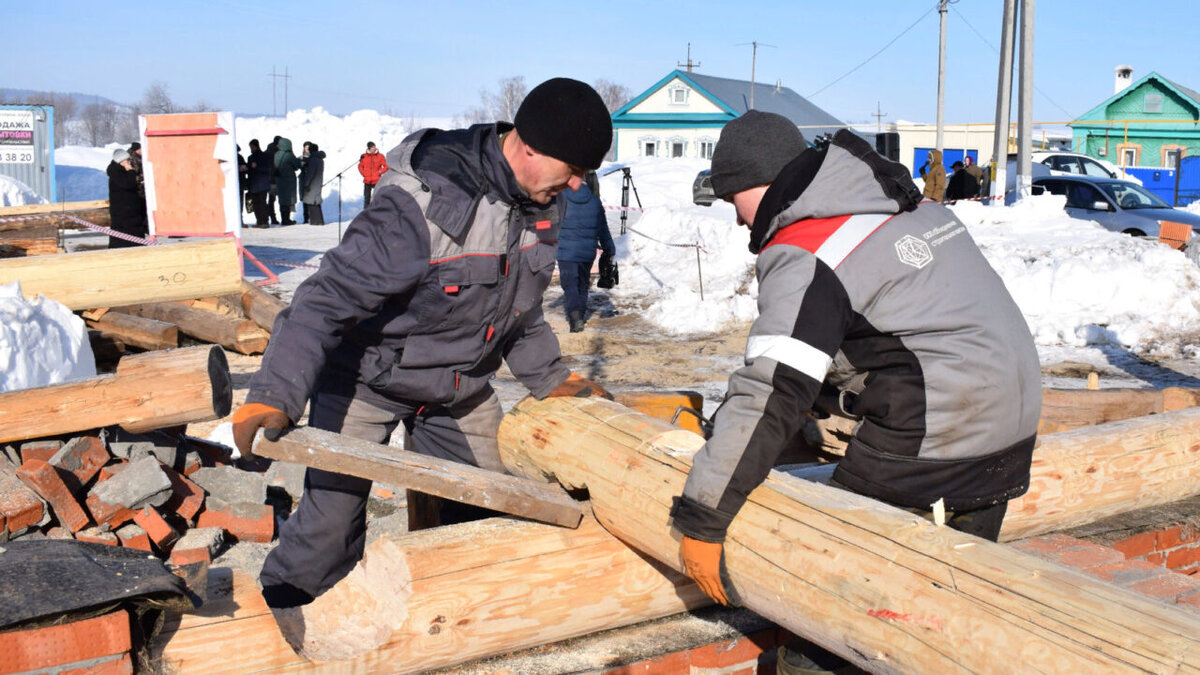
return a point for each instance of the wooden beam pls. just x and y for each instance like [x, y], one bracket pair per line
[31, 209]
[433, 599]
[60, 220]
[148, 391]
[136, 331]
[39, 240]
[1064, 409]
[239, 335]
[129, 276]
[260, 306]
[886, 589]
[536, 500]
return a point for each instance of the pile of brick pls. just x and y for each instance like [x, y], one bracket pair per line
[174, 496]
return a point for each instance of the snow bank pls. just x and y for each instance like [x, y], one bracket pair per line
[15, 193]
[63, 352]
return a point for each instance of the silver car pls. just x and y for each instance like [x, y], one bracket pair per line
[702, 190]
[1118, 205]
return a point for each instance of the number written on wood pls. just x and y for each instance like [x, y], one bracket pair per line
[169, 279]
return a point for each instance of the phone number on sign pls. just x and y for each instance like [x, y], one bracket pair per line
[16, 157]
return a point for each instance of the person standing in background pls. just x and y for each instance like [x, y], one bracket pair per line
[286, 166]
[273, 192]
[259, 183]
[372, 164]
[312, 177]
[584, 229]
[126, 205]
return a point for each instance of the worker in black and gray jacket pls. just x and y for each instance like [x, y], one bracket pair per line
[436, 282]
[875, 306]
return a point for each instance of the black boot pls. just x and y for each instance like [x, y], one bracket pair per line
[575, 320]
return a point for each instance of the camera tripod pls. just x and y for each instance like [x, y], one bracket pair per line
[626, 184]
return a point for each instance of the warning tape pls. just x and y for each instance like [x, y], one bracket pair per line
[110, 232]
[623, 208]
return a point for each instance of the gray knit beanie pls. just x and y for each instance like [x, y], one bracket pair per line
[752, 150]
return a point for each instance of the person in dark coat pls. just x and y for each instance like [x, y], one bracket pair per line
[126, 205]
[312, 177]
[259, 184]
[286, 166]
[273, 193]
[962, 185]
[584, 229]
[135, 160]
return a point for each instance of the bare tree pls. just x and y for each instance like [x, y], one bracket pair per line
[156, 100]
[614, 95]
[500, 106]
[65, 109]
[100, 121]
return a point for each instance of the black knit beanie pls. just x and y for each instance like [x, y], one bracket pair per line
[567, 120]
[752, 150]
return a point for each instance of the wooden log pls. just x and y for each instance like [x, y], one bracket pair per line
[433, 599]
[32, 209]
[61, 220]
[40, 240]
[536, 500]
[885, 589]
[260, 306]
[140, 332]
[239, 335]
[1064, 409]
[148, 391]
[129, 276]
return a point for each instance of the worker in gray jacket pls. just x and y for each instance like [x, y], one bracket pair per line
[435, 283]
[874, 306]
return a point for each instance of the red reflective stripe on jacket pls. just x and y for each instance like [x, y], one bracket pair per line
[810, 235]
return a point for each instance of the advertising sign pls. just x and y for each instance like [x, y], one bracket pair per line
[16, 137]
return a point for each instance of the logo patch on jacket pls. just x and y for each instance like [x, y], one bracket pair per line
[913, 251]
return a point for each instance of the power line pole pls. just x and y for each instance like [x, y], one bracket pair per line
[1025, 104]
[878, 115]
[690, 64]
[753, 64]
[941, 94]
[999, 168]
[274, 79]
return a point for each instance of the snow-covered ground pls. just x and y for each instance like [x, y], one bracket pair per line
[1085, 292]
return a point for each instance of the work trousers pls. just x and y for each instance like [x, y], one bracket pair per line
[575, 278]
[368, 188]
[259, 201]
[325, 536]
[272, 194]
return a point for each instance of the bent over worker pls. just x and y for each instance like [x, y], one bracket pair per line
[875, 306]
[435, 283]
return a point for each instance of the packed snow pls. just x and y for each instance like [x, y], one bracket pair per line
[15, 193]
[686, 268]
[41, 342]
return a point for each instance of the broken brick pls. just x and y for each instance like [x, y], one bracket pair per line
[42, 450]
[208, 538]
[187, 498]
[157, 528]
[97, 536]
[245, 522]
[45, 480]
[82, 457]
[139, 483]
[20, 507]
[116, 665]
[49, 647]
[133, 535]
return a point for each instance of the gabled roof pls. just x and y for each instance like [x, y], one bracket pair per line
[733, 96]
[1098, 112]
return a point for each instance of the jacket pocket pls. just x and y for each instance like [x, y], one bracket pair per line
[466, 291]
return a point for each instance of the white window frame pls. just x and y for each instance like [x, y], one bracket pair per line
[1146, 102]
[1169, 154]
[650, 141]
[678, 92]
[706, 146]
[677, 142]
[1128, 156]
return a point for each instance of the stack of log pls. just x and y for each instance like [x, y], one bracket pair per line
[34, 229]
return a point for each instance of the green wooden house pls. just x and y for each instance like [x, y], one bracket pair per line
[1149, 123]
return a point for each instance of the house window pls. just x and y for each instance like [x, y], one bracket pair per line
[706, 149]
[679, 95]
[1152, 103]
[1128, 154]
[677, 148]
[1171, 155]
[648, 149]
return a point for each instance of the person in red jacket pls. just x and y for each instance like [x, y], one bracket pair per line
[372, 164]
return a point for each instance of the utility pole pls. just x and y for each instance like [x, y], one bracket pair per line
[999, 168]
[689, 65]
[274, 79]
[753, 63]
[878, 115]
[1025, 104]
[941, 94]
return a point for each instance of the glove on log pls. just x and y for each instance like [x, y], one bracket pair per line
[251, 417]
[580, 387]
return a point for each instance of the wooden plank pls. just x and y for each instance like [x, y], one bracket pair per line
[31, 209]
[890, 591]
[540, 501]
[129, 276]
[140, 332]
[239, 335]
[1064, 409]
[148, 391]
[260, 306]
[436, 598]
[66, 220]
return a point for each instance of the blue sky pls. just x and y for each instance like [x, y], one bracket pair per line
[433, 58]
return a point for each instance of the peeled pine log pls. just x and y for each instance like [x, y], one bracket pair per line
[1064, 409]
[128, 276]
[885, 589]
[148, 391]
[136, 331]
[240, 335]
[260, 306]
[37, 215]
[38, 240]
[433, 599]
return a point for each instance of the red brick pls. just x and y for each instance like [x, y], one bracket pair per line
[1168, 539]
[191, 565]
[245, 522]
[1182, 557]
[82, 457]
[42, 450]
[1158, 559]
[157, 528]
[1167, 585]
[1050, 543]
[20, 507]
[117, 665]
[1139, 545]
[108, 515]
[734, 652]
[1069, 551]
[1191, 599]
[64, 644]
[679, 662]
[109, 470]
[133, 536]
[45, 481]
[1125, 572]
[188, 498]
[97, 536]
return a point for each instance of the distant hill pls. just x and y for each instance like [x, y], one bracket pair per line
[81, 100]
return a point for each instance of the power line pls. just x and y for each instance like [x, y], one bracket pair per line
[881, 50]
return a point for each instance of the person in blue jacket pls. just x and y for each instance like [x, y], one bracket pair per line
[583, 230]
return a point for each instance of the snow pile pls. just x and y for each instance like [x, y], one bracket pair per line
[79, 172]
[63, 352]
[15, 193]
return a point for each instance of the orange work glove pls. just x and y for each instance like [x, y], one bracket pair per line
[251, 417]
[702, 562]
[580, 387]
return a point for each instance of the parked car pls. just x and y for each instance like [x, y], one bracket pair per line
[1074, 164]
[702, 190]
[1118, 205]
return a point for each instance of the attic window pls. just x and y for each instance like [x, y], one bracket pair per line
[1153, 103]
[679, 95]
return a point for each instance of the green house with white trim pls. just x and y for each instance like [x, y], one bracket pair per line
[682, 115]
[1147, 123]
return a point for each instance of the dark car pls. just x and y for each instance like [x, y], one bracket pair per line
[702, 190]
[1118, 205]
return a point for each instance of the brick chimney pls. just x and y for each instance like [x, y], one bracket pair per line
[1124, 76]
